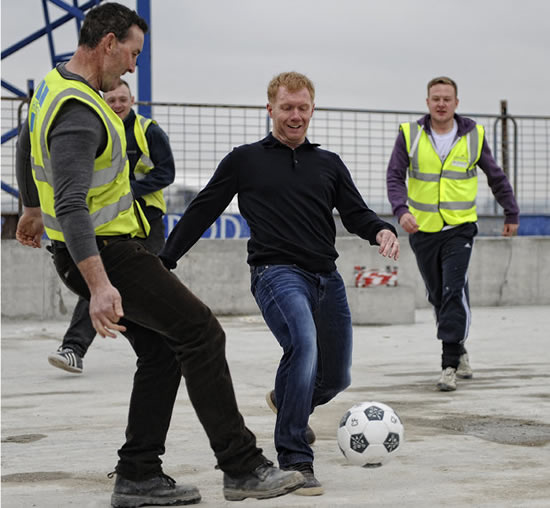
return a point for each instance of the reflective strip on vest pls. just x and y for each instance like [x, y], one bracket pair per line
[144, 164]
[102, 216]
[144, 159]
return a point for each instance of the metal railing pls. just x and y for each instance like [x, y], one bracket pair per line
[202, 134]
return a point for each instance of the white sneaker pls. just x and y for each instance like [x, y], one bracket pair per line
[464, 371]
[447, 381]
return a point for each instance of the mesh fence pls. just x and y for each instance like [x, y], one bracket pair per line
[202, 134]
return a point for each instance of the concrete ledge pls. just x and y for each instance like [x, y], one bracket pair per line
[381, 305]
[503, 271]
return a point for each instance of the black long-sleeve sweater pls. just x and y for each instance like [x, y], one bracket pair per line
[287, 198]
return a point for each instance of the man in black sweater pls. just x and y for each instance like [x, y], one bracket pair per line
[287, 189]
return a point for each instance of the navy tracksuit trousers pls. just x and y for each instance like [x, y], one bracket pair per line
[443, 259]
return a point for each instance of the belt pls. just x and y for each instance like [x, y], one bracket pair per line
[101, 241]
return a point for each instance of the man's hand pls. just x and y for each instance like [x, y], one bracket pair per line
[106, 311]
[389, 245]
[30, 227]
[105, 301]
[408, 222]
[510, 230]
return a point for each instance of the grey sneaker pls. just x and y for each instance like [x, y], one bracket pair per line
[464, 370]
[266, 481]
[312, 487]
[158, 491]
[447, 381]
[270, 398]
[66, 359]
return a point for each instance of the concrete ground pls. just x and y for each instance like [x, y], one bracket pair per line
[486, 445]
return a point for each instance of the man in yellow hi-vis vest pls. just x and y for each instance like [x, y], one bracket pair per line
[151, 170]
[440, 154]
[73, 177]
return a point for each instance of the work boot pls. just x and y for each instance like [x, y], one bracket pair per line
[66, 359]
[447, 381]
[312, 487]
[264, 482]
[464, 370]
[270, 398]
[160, 490]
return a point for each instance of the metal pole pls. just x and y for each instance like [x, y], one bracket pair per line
[144, 61]
[504, 139]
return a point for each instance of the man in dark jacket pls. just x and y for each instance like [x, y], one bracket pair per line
[440, 153]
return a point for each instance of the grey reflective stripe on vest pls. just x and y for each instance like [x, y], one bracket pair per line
[425, 177]
[457, 205]
[447, 205]
[102, 216]
[110, 212]
[423, 207]
[413, 153]
[50, 222]
[99, 178]
[473, 145]
[459, 175]
[144, 159]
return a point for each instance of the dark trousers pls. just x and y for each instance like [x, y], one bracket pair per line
[81, 333]
[443, 259]
[172, 333]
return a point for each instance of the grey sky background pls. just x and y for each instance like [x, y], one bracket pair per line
[369, 54]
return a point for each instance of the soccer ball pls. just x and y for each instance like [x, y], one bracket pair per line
[370, 434]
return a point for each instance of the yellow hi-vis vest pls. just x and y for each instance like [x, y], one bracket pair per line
[442, 193]
[110, 202]
[145, 164]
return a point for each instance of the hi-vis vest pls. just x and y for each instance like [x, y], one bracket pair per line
[110, 202]
[145, 164]
[440, 194]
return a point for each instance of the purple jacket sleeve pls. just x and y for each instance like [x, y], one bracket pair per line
[500, 186]
[396, 177]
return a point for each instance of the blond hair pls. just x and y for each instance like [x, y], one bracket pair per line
[292, 81]
[442, 80]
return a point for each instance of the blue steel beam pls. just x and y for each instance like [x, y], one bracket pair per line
[10, 134]
[49, 31]
[144, 60]
[14, 90]
[75, 11]
[10, 190]
[39, 33]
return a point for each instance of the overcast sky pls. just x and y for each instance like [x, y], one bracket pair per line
[370, 54]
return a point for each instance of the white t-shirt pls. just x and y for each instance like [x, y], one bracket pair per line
[444, 142]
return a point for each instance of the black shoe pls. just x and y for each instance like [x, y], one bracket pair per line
[66, 359]
[312, 487]
[270, 399]
[264, 482]
[158, 491]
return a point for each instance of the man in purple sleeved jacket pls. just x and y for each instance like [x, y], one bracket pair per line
[440, 153]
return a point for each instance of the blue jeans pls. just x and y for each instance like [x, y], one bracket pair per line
[309, 315]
